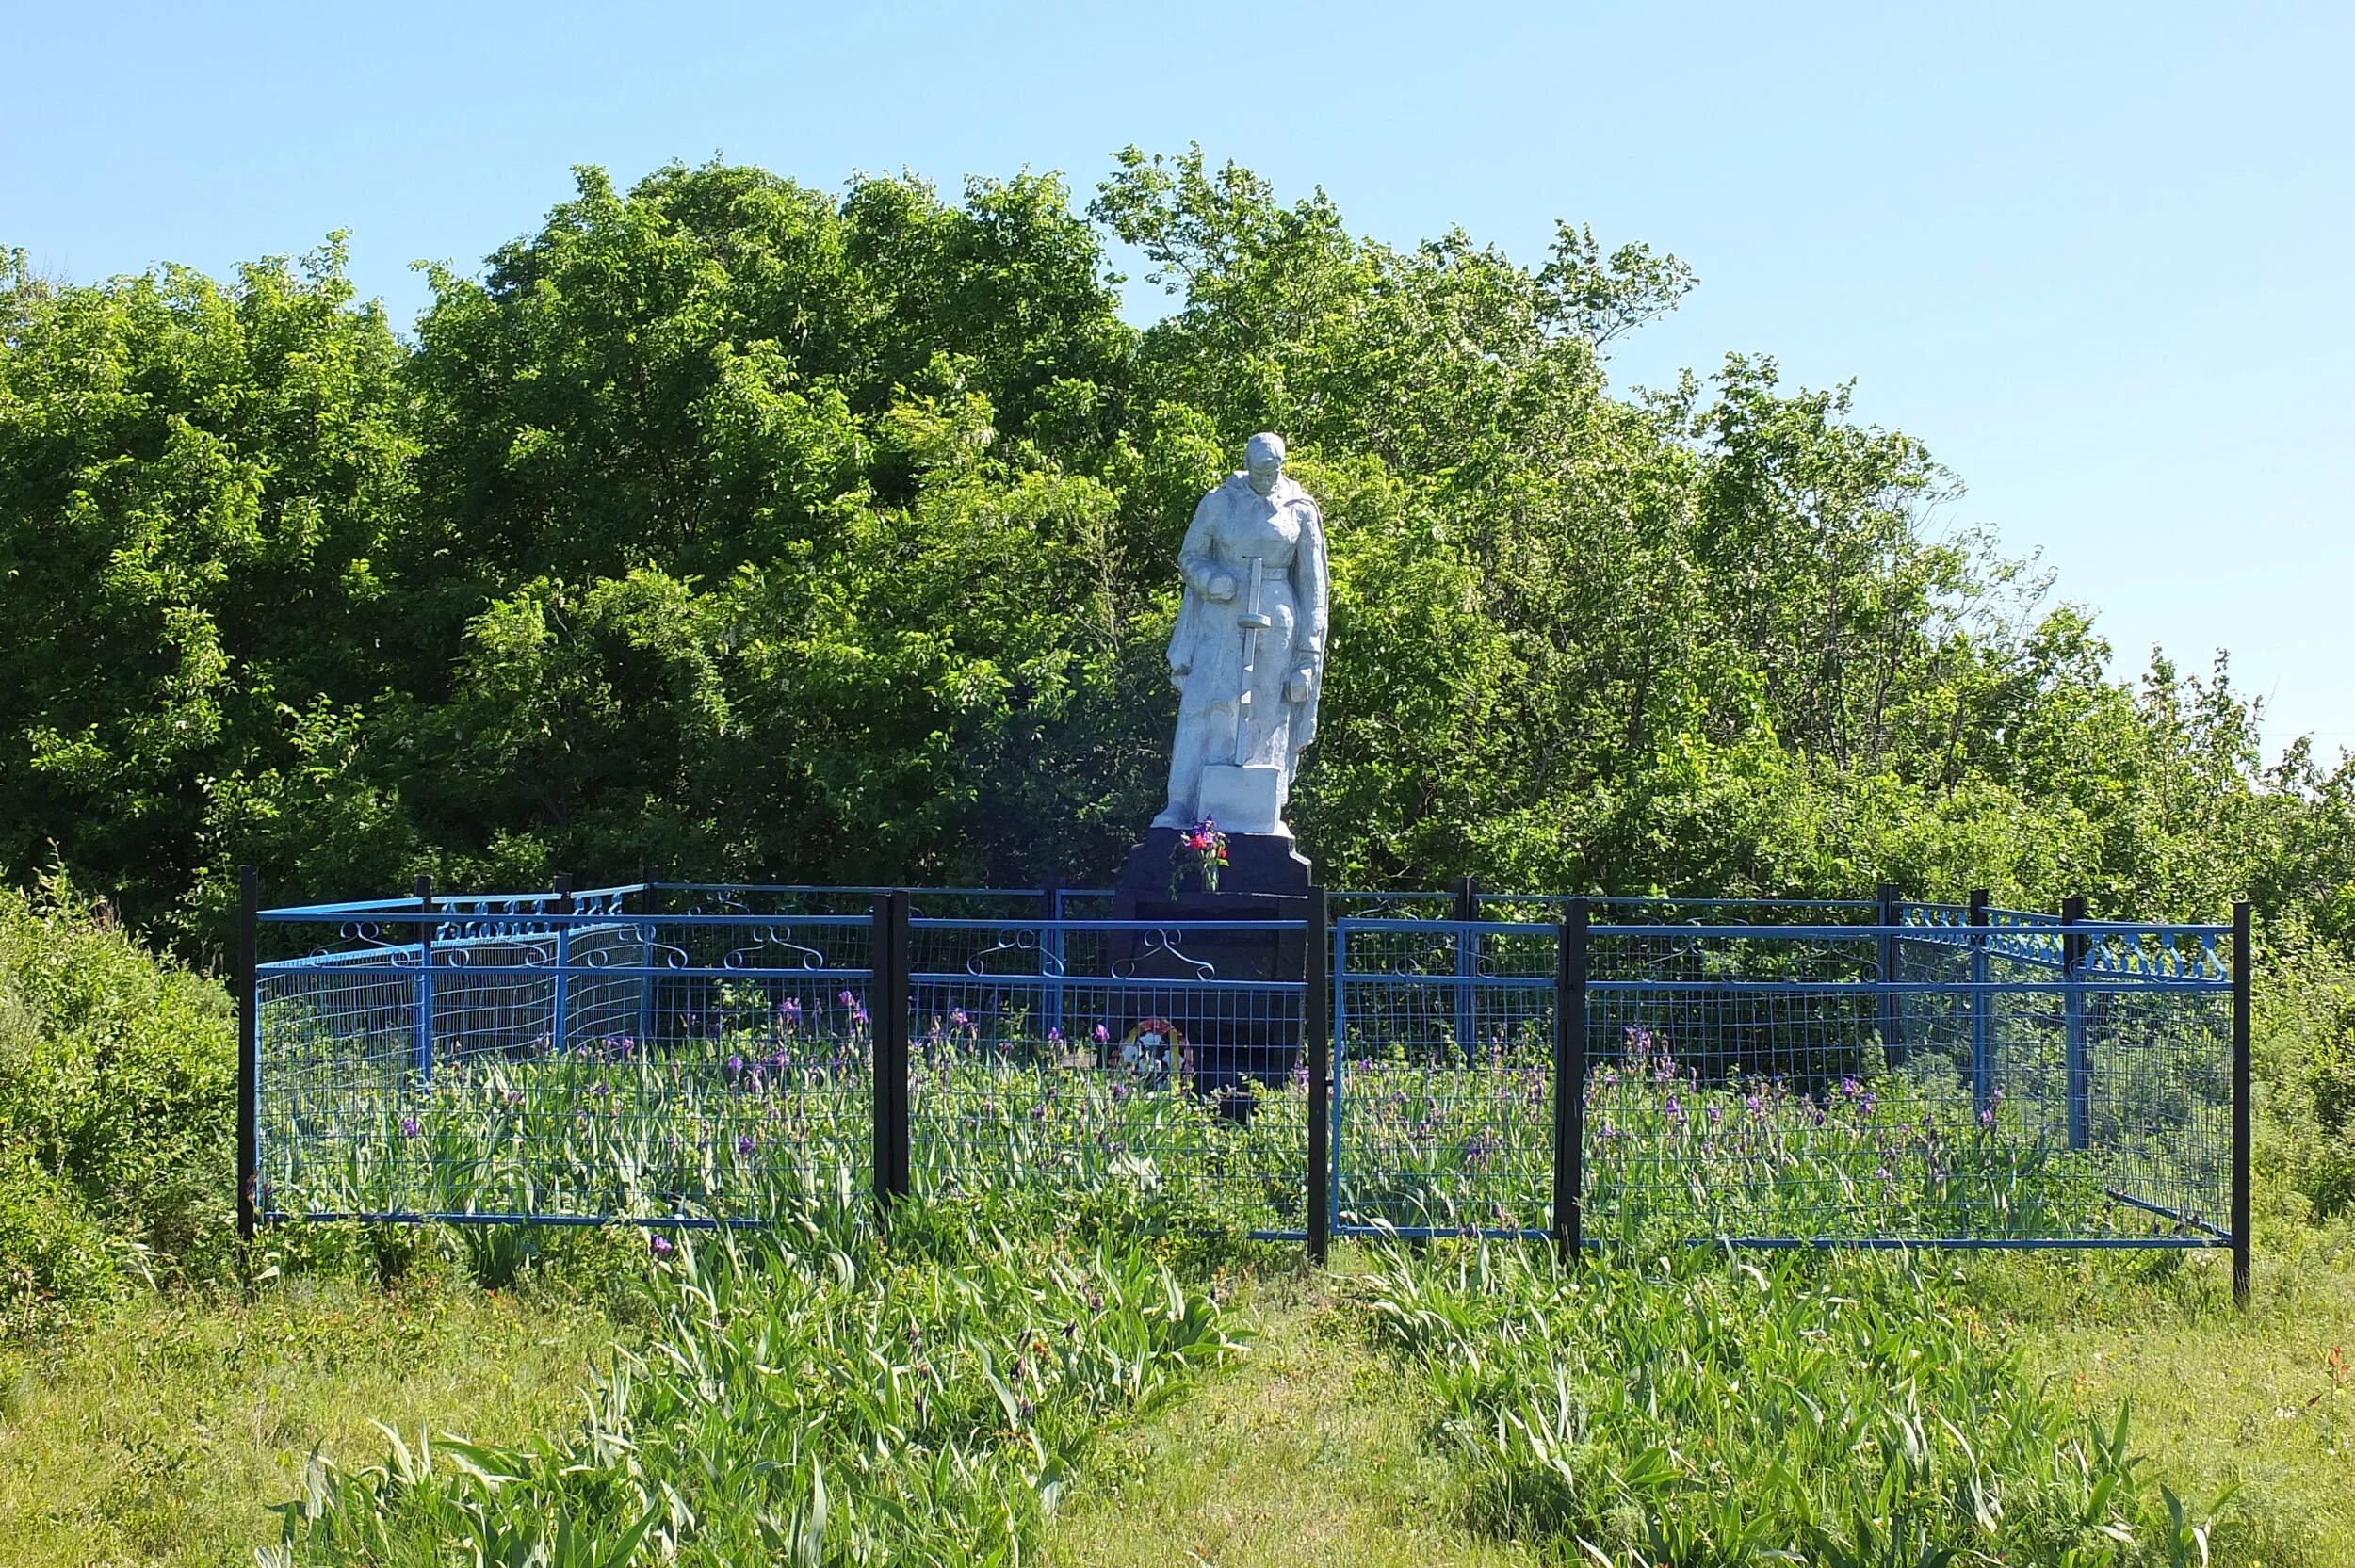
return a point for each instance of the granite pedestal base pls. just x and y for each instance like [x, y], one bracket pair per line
[1239, 1037]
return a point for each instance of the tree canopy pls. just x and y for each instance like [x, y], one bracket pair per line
[734, 528]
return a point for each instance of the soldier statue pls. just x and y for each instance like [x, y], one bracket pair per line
[1247, 657]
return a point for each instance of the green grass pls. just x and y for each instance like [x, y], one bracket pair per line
[817, 1393]
[162, 1433]
[2251, 1402]
[1308, 1450]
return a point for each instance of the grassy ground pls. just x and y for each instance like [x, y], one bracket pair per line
[2263, 1403]
[163, 1435]
[1311, 1451]
[1308, 1451]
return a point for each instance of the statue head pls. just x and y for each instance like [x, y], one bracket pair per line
[1263, 459]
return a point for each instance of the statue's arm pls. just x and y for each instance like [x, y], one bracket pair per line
[1311, 588]
[1194, 565]
[1197, 562]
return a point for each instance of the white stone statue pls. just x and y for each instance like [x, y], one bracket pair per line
[1247, 657]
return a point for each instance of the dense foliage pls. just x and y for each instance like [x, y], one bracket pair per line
[117, 1083]
[728, 527]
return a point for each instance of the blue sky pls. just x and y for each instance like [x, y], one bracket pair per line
[2097, 257]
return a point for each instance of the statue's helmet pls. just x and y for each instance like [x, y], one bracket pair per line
[1267, 446]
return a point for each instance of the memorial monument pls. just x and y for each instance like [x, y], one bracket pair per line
[1247, 659]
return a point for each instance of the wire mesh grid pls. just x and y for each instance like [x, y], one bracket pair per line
[1940, 1080]
[1073, 1055]
[564, 1068]
[1443, 1076]
[1972, 1075]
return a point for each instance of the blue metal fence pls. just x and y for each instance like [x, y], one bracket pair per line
[1854, 1072]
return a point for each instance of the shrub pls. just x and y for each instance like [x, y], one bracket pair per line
[54, 1256]
[2305, 1079]
[118, 1095]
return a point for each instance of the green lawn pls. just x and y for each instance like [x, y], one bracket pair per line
[1309, 1451]
[2263, 1402]
[163, 1435]
[1314, 1448]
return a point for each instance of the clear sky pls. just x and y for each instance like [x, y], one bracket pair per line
[2097, 257]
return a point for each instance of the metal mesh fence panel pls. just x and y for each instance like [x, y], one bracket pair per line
[561, 1068]
[1761, 1070]
[1162, 1059]
[1766, 1084]
[1443, 1076]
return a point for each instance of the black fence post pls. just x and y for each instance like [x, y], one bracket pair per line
[902, 1021]
[2077, 1054]
[1316, 1039]
[249, 1051]
[887, 1008]
[423, 887]
[1892, 914]
[1982, 1046]
[2244, 962]
[1569, 1082]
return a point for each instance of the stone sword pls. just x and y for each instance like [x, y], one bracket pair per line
[1252, 621]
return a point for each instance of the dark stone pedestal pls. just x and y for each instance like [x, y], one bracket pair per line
[1237, 1034]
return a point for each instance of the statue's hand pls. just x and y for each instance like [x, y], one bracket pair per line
[1296, 689]
[1221, 588]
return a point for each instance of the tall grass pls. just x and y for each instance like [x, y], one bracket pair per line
[811, 1395]
[749, 1122]
[1702, 1412]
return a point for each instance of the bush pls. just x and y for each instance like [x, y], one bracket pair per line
[2305, 1078]
[53, 1257]
[118, 1106]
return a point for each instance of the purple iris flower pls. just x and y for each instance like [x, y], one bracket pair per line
[1103, 1035]
[408, 1126]
[660, 1246]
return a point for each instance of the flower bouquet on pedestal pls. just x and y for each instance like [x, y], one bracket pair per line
[1202, 849]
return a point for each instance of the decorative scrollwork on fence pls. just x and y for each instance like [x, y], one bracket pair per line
[2160, 955]
[1161, 941]
[1027, 943]
[768, 949]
